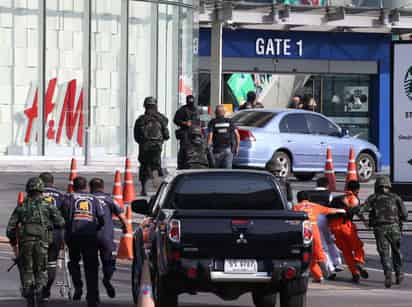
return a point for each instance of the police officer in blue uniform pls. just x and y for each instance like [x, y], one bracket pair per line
[55, 198]
[105, 235]
[84, 218]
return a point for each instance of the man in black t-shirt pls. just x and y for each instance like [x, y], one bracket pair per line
[222, 135]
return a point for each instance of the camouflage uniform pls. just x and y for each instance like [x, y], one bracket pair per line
[150, 149]
[386, 214]
[194, 154]
[32, 223]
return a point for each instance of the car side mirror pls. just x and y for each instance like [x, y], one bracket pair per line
[345, 132]
[141, 206]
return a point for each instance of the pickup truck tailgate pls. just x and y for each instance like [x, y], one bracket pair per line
[240, 233]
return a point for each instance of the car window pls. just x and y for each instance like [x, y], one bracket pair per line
[293, 123]
[225, 191]
[321, 126]
[252, 119]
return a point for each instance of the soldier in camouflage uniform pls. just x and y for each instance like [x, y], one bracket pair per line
[33, 223]
[195, 155]
[386, 214]
[150, 132]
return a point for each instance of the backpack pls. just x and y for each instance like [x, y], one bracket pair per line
[35, 220]
[152, 130]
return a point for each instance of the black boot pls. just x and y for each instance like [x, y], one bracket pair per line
[356, 278]
[78, 292]
[111, 292]
[388, 280]
[399, 277]
[363, 273]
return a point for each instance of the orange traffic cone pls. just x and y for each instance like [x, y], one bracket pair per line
[125, 250]
[20, 198]
[73, 175]
[329, 171]
[129, 193]
[352, 173]
[146, 294]
[118, 189]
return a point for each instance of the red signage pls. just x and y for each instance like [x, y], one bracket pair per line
[71, 114]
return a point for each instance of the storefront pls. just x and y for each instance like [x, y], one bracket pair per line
[94, 64]
[347, 74]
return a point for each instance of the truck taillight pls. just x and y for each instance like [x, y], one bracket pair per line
[174, 231]
[246, 135]
[307, 232]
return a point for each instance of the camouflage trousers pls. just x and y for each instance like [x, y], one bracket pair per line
[388, 242]
[150, 160]
[33, 265]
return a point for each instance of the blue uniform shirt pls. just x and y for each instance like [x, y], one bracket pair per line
[109, 208]
[55, 198]
[83, 214]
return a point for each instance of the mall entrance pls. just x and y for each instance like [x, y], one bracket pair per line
[340, 90]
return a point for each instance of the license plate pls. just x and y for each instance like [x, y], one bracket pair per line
[241, 266]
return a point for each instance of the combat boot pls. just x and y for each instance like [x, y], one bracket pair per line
[78, 292]
[363, 273]
[388, 280]
[399, 277]
[356, 278]
[111, 292]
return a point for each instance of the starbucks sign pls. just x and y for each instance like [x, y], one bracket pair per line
[408, 83]
[402, 113]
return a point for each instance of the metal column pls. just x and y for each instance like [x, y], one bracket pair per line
[41, 148]
[216, 63]
[125, 72]
[87, 49]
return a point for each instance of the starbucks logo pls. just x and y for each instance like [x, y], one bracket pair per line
[408, 83]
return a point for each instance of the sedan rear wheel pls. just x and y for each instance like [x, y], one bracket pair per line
[365, 166]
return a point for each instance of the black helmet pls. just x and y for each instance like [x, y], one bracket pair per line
[383, 181]
[149, 101]
[34, 184]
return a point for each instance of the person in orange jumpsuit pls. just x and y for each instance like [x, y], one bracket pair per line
[345, 231]
[313, 211]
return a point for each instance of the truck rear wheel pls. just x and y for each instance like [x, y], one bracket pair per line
[261, 300]
[287, 300]
[163, 296]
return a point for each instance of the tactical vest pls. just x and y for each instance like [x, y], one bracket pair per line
[384, 210]
[35, 221]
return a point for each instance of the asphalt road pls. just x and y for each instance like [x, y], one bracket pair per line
[340, 293]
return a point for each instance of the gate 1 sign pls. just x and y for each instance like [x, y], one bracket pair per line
[401, 87]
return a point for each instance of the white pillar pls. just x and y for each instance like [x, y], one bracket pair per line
[216, 64]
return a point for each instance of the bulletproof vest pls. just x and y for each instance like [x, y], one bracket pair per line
[82, 214]
[35, 219]
[321, 197]
[384, 210]
[222, 134]
[152, 130]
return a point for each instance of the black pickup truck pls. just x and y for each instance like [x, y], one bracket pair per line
[225, 232]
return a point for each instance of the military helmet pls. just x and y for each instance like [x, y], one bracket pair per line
[149, 101]
[383, 181]
[34, 184]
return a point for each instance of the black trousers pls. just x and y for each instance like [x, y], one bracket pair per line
[106, 249]
[53, 254]
[85, 248]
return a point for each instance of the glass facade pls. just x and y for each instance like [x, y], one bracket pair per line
[137, 49]
[344, 98]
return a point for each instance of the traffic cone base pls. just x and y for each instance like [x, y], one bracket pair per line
[146, 292]
[329, 170]
[125, 250]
